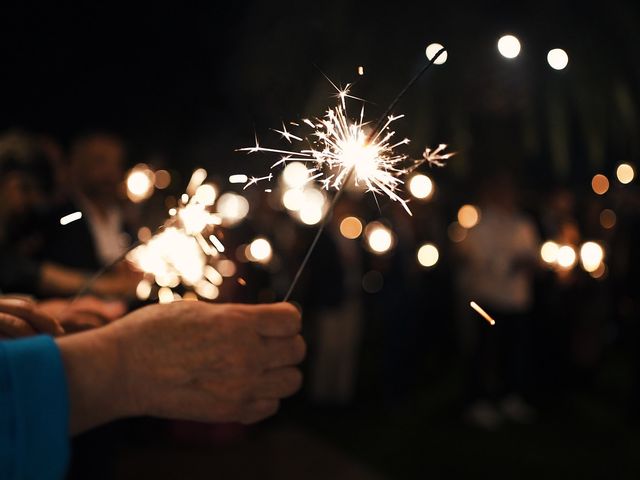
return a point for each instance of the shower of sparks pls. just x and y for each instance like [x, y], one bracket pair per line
[481, 311]
[186, 250]
[338, 148]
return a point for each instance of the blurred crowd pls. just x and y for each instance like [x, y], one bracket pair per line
[379, 320]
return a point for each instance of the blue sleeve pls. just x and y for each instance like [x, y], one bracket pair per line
[34, 410]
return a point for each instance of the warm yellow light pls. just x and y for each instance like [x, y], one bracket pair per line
[351, 227]
[197, 177]
[558, 59]
[260, 250]
[421, 186]
[295, 175]
[213, 275]
[433, 49]
[608, 218]
[143, 290]
[379, 238]
[566, 257]
[482, 313]
[233, 208]
[456, 232]
[600, 184]
[428, 255]
[238, 178]
[165, 295]
[360, 70]
[140, 184]
[163, 179]
[625, 173]
[206, 194]
[591, 256]
[549, 252]
[226, 268]
[310, 214]
[600, 271]
[509, 46]
[72, 217]
[468, 216]
[207, 290]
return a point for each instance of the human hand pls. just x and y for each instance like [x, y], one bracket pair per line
[186, 360]
[119, 282]
[20, 317]
[84, 313]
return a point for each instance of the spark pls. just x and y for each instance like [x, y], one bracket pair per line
[72, 217]
[484, 314]
[179, 252]
[339, 147]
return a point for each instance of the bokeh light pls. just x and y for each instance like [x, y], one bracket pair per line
[549, 252]
[566, 257]
[468, 216]
[456, 232]
[557, 59]
[143, 290]
[509, 46]
[591, 256]
[232, 208]
[205, 194]
[351, 227]
[421, 186]
[608, 218]
[140, 183]
[428, 255]
[625, 173]
[238, 178]
[379, 238]
[163, 179]
[295, 175]
[600, 184]
[260, 250]
[433, 49]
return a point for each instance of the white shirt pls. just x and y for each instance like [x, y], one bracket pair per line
[492, 250]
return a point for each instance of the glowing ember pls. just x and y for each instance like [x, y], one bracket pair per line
[484, 314]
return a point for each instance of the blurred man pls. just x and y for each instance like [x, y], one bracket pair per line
[499, 256]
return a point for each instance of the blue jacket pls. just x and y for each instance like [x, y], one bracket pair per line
[34, 410]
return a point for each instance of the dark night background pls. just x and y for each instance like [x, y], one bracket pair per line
[190, 84]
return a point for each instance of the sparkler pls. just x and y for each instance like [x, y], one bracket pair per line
[340, 148]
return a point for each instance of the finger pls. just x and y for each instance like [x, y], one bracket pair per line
[259, 410]
[29, 312]
[14, 327]
[283, 352]
[279, 383]
[277, 320]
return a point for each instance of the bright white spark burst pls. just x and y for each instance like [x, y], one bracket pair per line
[186, 250]
[339, 148]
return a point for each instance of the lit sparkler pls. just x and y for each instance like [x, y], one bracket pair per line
[338, 148]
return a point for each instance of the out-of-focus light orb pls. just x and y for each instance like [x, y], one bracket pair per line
[456, 232]
[509, 46]
[190, 297]
[372, 281]
[600, 184]
[233, 208]
[591, 256]
[72, 217]
[213, 275]
[140, 183]
[143, 290]
[379, 238]
[207, 290]
[260, 250]
[310, 214]
[566, 257]
[226, 268]
[163, 179]
[206, 194]
[434, 48]
[165, 295]
[557, 59]
[292, 199]
[238, 178]
[197, 177]
[428, 255]
[600, 271]
[421, 186]
[351, 227]
[625, 173]
[468, 216]
[361, 70]
[144, 234]
[194, 218]
[549, 252]
[295, 175]
[167, 279]
[608, 218]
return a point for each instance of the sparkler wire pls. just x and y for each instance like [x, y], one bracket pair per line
[336, 197]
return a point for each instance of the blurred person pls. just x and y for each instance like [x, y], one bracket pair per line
[25, 183]
[217, 363]
[498, 260]
[100, 236]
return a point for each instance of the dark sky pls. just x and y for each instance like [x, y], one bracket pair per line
[194, 82]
